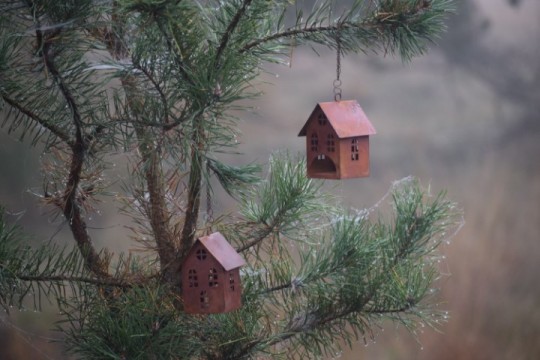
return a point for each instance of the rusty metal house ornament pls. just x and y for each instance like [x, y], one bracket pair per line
[337, 141]
[337, 135]
[211, 276]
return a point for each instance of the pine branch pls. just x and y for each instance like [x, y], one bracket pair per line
[166, 125]
[78, 279]
[151, 161]
[397, 25]
[194, 193]
[230, 29]
[157, 212]
[79, 145]
[113, 38]
[307, 323]
[284, 286]
[399, 310]
[361, 272]
[234, 179]
[292, 33]
[261, 235]
[285, 201]
[158, 215]
[27, 271]
[173, 50]
[71, 210]
[59, 133]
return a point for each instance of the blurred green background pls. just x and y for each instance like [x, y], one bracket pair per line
[465, 118]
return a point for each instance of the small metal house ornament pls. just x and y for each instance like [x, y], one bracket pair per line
[337, 141]
[211, 276]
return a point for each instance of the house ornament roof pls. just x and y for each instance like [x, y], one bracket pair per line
[222, 251]
[346, 117]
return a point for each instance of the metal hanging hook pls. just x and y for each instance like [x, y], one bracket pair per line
[337, 90]
[209, 210]
[337, 81]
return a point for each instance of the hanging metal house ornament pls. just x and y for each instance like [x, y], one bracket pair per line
[337, 136]
[337, 141]
[211, 276]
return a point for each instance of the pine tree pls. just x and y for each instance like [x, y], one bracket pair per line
[159, 83]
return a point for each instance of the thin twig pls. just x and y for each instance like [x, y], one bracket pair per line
[290, 33]
[158, 89]
[390, 311]
[278, 287]
[298, 31]
[268, 229]
[53, 129]
[177, 58]
[230, 29]
[80, 279]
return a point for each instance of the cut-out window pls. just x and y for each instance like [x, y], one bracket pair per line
[204, 300]
[201, 254]
[321, 157]
[330, 143]
[213, 278]
[314, 142]
[354, 150]
[231, 281]
[321, 119]
[192, 278]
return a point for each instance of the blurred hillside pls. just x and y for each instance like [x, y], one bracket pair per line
[464, 118]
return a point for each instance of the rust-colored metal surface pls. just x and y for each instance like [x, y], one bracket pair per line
[211, 277]
[346, 117]
[337, 141]
[222, 251]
